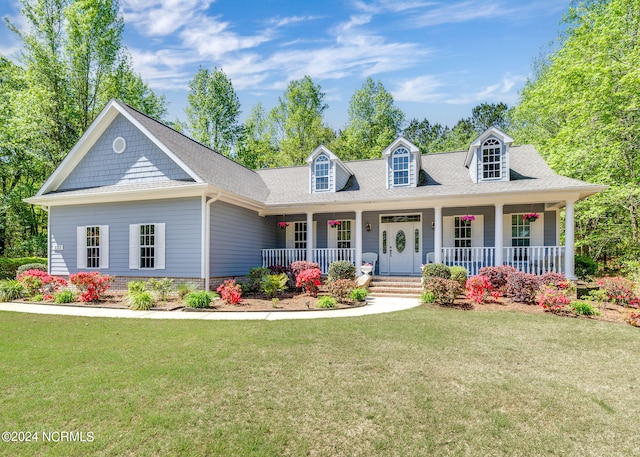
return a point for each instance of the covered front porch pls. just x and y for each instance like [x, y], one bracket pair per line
[471, 237]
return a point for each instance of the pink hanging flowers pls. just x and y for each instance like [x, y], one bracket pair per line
[530, 217]
[283, 224]
[468, 217]
[333, 223]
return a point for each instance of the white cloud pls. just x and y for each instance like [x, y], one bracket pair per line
[420, 89]
[163, 17]
[500, 91]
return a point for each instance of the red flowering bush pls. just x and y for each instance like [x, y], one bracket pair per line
[309, 279]
[444, 291]
[297, 267]
[91, 284]
[40, 282]
[230, 292]
[619, 290]
[479, 289]
[554, 299]
[634, 319]
[497, 276]
[522, 287]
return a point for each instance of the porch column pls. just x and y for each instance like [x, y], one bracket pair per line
[310, 237]
[358, 242]
[499, 236]
[437, 235]
[569, 240]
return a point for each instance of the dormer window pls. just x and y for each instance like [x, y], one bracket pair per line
[322, 173]
[491, 159]
[401, 167]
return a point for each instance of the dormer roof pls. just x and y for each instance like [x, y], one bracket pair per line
[491, 131]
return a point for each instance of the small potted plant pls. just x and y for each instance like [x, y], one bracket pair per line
[283, 225]
[468, 217]
[333, 223]
[366, 268]
[530, 217]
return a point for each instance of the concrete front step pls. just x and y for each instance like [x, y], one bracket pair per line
[395, 286]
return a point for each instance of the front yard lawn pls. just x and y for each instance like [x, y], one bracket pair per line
[428, 381]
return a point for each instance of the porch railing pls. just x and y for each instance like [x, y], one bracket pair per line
[530, 259]
[470, 258]
[322, 256]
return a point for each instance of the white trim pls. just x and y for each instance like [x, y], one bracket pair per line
[104, 247]
[159, 246]
[81, 247]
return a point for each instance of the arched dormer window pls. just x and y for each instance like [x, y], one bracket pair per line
[400, 160]
[322, 172]
[491, 159]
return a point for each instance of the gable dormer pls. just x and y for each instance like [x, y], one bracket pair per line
[488, 156]
[403, 163]
[327, 173]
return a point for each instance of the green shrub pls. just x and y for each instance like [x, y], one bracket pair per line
[341, 269]
[185, 288]
[272, 285]
[199, 299]
[161, 288]
[31, 266]
[428, 297]
[134, 287]
[459, 274]
[359, 294]
[341, 289]
[139, 301]
[327, 302]
[585, 266]
[65, 296]
[9, 266]
[38, 297]
[10, 289]
[444, 291]
[583, 308]
[256, 277]
[436, 270]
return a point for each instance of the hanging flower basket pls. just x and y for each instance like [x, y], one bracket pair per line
[468, 217]
[283, 225]
[333, 223]
[530, 217]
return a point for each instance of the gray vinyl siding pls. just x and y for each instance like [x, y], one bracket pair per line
[342, 176]
[142, 161]
[182, 242]
[238, 236]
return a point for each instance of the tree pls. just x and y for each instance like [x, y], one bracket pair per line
[256, 148]
[429, 138]
[213, 110]
[581, 111]
[374, 122]
[299, 123]
[486, 115]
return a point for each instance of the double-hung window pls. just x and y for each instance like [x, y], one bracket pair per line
[491, 159]
[92, 247]
[400, 161]
[322, 173]
[147, 246]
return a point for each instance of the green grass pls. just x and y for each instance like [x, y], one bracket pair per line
[422, 382]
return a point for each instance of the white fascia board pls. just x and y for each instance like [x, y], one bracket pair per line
[413, 149]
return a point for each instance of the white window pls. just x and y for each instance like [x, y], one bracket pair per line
[400, 161]
[491, 159]
[341, 236]
[92, 246]
[147, 246]
[462, 233]
[520, 231]
[322, 173]
[300, 235]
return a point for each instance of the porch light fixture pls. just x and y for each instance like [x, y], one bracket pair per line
[433, 225]
[530, 217]
[367, 226]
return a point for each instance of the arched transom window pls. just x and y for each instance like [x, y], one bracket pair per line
[491, 159]
[322, 172]
[400, 167]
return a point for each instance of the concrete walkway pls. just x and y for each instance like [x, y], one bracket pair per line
[375, 305]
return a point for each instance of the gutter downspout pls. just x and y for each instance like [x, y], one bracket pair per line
[206, 237]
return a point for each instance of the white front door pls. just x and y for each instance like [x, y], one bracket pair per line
[400, 247]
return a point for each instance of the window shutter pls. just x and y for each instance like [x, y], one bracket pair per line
[332, 237]
[507, 230]
[104, 246]
[134, 244]
[477, 232]
[160, 246]
[81, 242]
[448, 231]
[289, 235]
[537, 231]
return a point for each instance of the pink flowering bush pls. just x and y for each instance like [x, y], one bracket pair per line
[230, 292]
[309, 279]
[297, 267]
[479, 289]
[91, 284]
[37, 282]
[619, 290]
[634, 319]
[554, 299]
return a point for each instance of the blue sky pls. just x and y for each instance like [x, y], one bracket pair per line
[439, 59]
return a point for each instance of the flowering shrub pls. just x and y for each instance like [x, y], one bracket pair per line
[341, 289]
[479, 289]
[309, 279]
[497, 276]
[619, 290]
[40, 282]
[444, 291]
[299, 266]
[553, 299]
[554, 279]
[230, 292]
[634, 319]
[91, 285]
[522, 287]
